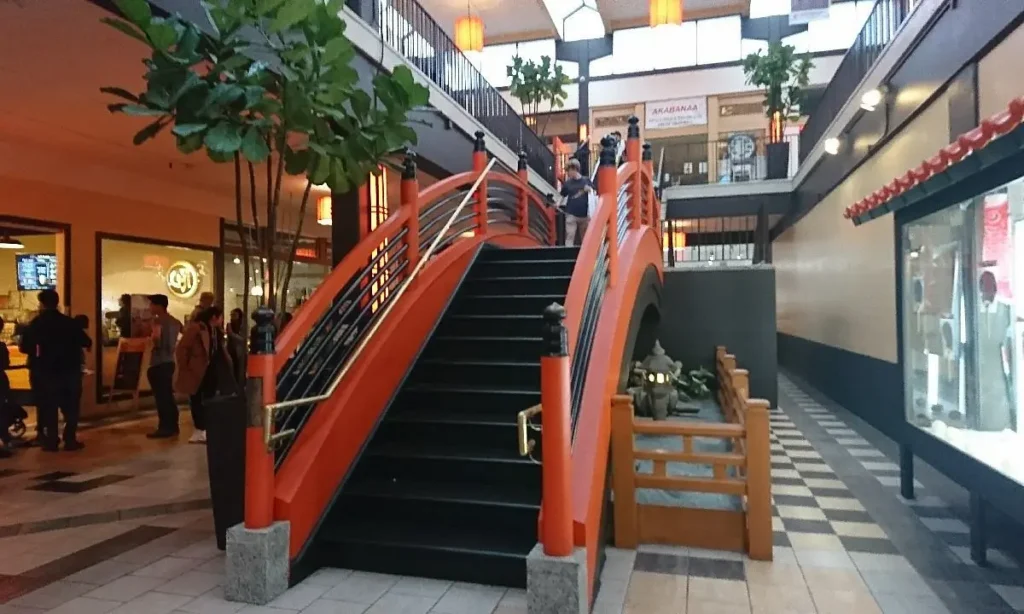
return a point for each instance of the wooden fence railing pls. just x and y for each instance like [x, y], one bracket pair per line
[733, 386]
[744, 472]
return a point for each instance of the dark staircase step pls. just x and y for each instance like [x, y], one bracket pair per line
[484, 348]
[436, 462]
[454, 428]
[411, 548]
[558, 284]
[480, 325]
[505, 374]
[524, 268]
[496, 304]
[531, 253]
[467, 397]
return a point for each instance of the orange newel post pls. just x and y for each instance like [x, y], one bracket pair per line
[633, 155]
[556, 444]
[261, 390]
[522, 204]
[647, 162]
[608, 190]
[410, 199]
[479, 164]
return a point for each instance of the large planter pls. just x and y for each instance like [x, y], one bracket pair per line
[778, 161]
[225, 460]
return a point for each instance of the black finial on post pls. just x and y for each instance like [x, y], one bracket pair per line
[633, 132]
[263, 332]
[554, 335]
[607, 151]
[409, 166]
[647, 155]
[478, 143]
[522, 161]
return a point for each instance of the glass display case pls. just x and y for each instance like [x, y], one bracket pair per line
[963, 326]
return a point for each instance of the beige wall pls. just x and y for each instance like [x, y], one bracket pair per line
[1000, 78]
[836, 282]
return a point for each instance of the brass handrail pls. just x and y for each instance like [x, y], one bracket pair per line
[270, 438]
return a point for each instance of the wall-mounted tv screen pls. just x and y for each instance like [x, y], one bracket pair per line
[36, 272]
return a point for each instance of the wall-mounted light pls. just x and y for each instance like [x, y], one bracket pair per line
[584, 131]
[665, 12]
[870, 100]
[323, 211]
[9, 242]
[237, 260]
[832, 146]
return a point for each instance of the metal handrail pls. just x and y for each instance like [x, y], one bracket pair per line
[269, 437]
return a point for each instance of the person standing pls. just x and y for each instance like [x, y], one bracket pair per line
[166, 329]
[237, 345]
[206, 300]
[55, 343]
[5, 391]
[576, 190]
[201, 355]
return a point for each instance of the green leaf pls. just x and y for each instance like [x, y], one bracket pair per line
[265, 7]
[148, 132]
[225, 137]
[231, 64]
[296, 162]
[136, 110]
[125, 28]
[191, 82]
[221, 95]
[190, 144]
[184, 130]
[337, 48]
[120, 93]
[254, 146]
[137, 11]
[291, 13]
[220, 157]
[161, 34]
[321, 169]
[337, 178]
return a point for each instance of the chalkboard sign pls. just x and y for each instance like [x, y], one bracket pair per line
[128, 370]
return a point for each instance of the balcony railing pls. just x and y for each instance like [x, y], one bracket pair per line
[879, 30]
[406, 26]
[738, 158]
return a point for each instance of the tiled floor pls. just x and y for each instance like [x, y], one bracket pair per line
[845, 544]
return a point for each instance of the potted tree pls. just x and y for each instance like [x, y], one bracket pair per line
[784, 75]
[267, 86]
[536, 83]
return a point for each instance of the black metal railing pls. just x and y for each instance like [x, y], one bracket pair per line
[709, 241]
[737, 158]
[406, 26]
[879, 30]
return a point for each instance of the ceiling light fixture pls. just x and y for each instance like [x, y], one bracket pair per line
[871, 99]
[9, 242]
[832, 146]
[666, 12]
[469, 32]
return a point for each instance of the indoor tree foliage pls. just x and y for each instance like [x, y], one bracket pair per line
[784, 75]
[536, 83]
[267, 82]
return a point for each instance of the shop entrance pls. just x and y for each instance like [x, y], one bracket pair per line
[32, 258]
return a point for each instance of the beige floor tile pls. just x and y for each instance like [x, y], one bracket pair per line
[824, 483]
[858, 529]
[655, 589]
[802, 513]
[648, 608]
[815, 541]
[796, 491]
[777, 524]
[844, 601]
[421, 587]
[774, 574]
[721, 591]
[839, 503]
[823, 579]
[698, 606]
[781, 600]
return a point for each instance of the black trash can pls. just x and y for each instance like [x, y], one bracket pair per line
[225, 461]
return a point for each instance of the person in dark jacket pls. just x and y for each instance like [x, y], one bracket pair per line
[5, 390]
[54, 343]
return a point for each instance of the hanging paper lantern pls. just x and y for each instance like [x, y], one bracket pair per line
[666, 12]
[469, 33]
[323, 211]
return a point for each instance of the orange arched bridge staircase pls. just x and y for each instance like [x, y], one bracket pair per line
[389, 440]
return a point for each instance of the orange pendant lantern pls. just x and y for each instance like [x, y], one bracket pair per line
[323, 211]
[666, 12]
[469, 33]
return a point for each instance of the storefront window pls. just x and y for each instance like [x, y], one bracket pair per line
[963, 321]
[306, 276]
[138, 270]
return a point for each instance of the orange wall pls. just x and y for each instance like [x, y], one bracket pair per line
[89, 213]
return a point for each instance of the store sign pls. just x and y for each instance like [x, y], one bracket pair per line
[741, 147]
[612, 120]
[676, 113]
[742, 108]
[183, 279]
[805, 11]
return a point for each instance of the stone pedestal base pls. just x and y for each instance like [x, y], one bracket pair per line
[257, 563]
[556, 585]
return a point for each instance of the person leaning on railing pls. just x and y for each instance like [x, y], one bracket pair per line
[576, 194]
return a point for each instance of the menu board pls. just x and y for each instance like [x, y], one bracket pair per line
[36, 272]
[128, 369]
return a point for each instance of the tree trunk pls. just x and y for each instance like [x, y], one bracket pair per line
[243, 237]
[295, 243]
